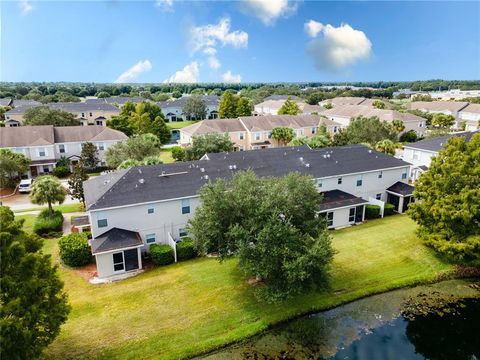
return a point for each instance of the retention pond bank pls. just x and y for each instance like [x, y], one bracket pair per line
[439, 321]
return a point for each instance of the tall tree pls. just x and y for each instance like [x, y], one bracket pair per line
[75, 183]
[273, 227]
[89, 155]
[228, 106]
[283, 135]
[33, 302]
[12, 165]
[448, 206]
[43, 115]
[138, 147]
[386, 146]
[195, 108]
[47, 190]
[365, 130]
[398, 125]
[244, 107]
[289, 107]
[209, 143]
[442, 121]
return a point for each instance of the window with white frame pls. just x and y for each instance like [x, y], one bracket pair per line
[182, 232]
[269, 135]
[61, 148]
[101, 146]
[359, 180]
[380, 174]
[241, 136]
[150, 238]
[186, 206]
[351, 214]
[45, 169]
[378, 196]
[257, 136]
[91, 114]
[330, 219]
[339, 180]
[150, 210]
[42, 152]
[416, 155]
[300, 132]
[102, 220]
[241, 148]
[118, 262]
[404, 174]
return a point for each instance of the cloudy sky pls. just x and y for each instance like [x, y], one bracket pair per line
[238, 41]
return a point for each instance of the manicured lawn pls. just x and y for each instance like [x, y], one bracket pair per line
[29, 221]
[194, 306]
[166, 156]
[66, 208]
[179, 124]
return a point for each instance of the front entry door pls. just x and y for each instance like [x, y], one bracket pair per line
[131, 259]
[33, 171]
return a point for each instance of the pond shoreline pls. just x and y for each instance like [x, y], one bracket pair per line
[453, 275]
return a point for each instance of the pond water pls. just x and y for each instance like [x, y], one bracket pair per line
[373, 328]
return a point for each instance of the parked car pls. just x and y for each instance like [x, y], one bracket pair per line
[25, 185]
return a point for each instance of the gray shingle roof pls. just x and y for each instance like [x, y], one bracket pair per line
[438, 143]
[114, 239]
[83, 107]
[337, 198]
[5, 101]
[147, 184]
[268, 122]
[401, 188]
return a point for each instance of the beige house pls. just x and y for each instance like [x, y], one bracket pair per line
[46, 144]
[343, 114]
[255, 132]
[470, 115]
[87, 113]
[441, 107]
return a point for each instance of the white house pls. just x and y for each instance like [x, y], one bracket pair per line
[46, 144]
[420, 153]
[441, 107]
[173, 110]
[131, 209]
[470, 114]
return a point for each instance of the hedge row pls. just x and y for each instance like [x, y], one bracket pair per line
[163, 254]
[388, 209]
[372, 211]
[75, 250]
[48, 225]
[185, 249]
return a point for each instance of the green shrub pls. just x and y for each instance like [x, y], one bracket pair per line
[61, 171]
[388, 209]
[372, 211]
[161, 254]
[185, 249]
[178, 153]
[75, 250]
[45, 224]
[409, 136]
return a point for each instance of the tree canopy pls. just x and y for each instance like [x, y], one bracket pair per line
[244, 107]
[89, 155]
[208, 143]
[195, 108]
[283, 135]
[386, 146]
[33, 302]
[75, 183]
[47, 189]
[289, 107]
[365, 130]
[271, 224]
[442, 121]
[138, 147]
[44, 115]
[447, 209]
[228, 106]
[12, 165]
[378, 104]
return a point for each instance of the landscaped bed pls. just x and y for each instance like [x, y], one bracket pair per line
[194, 306]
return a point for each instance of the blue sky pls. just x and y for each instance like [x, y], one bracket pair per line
[245, 40]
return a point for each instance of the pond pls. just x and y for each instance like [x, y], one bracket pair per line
[374, 328]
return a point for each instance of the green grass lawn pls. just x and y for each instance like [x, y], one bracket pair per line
[194, 306]
[179, 124]
[166, 156]
[29, 221]
[65, 208]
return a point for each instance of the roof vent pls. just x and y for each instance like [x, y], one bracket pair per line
[301, 158]
[234, 167]
[336, 161]
[307, 165]
[230, 167]
[324, 156]
[369, 151]
[285, 153]
[202, 169]
[141, 181]
[206, 177]
[139, 171]
[328, 156]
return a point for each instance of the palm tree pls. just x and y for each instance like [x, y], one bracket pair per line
[398, 126]
[47, 190]
[386, 146]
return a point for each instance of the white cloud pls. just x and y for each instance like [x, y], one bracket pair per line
[25, 6]
[312, 28]
[206, 38]
[214, 63]
[165, 5]
[189, 74]
[268, 11]
[132, 73]
[228, 77]
[337, 47]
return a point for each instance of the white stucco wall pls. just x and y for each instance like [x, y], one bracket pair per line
[418, 157]
[105, 264]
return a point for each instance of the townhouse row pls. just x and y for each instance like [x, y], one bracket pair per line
[131, 209]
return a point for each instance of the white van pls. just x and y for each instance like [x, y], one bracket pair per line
[25, 185]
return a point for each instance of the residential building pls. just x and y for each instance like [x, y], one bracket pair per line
[6, 102]
[173, 110]
[87, 113]
[254, 132]
[271, 107]
[131, 209]
[343, 114]
[420, 153]
[441, 107]
[470, 115]
[344, 100]
[454, 94]
[46, 144]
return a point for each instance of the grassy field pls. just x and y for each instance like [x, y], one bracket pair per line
[29, 221]
[166, 156]
[65, 208]
[194, 306]
[179, 124]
